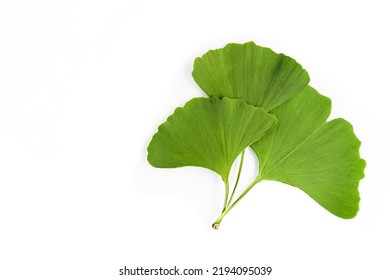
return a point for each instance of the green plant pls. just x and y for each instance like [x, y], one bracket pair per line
[261, 99]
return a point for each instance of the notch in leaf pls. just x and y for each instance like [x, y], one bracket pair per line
[209, 133]
[253, 73]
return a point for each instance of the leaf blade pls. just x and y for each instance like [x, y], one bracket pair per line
[208, 132]
[253, 73]
[322, 158]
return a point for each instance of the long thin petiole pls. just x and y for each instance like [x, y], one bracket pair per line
[242, 195]
[238, 178]
[225, 203]
[227, 210]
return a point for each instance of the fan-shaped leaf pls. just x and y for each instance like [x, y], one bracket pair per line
[255, 74]
[208, 132]
[321, 158]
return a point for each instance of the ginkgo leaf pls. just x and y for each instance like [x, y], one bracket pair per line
[303, 149]
[208, 132]
[321, 158]
[253, 73]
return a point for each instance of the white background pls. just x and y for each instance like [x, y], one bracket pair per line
[83, 87]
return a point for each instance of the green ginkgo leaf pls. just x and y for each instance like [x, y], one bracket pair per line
[253, 73]
[208, 132]
[321, 158]
[303, 149]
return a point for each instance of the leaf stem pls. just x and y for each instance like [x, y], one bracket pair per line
[227, 209]
[225, 203]
[238, 177]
